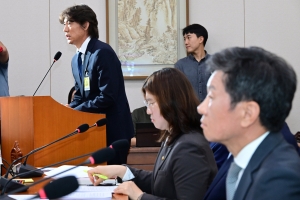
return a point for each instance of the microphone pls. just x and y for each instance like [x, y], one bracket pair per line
[100, 156]
[38, 173]
[100, 122]
[26, 168]
[58, 188]
[1, 49]
[10, 185]
[56, 57]
[120, 144]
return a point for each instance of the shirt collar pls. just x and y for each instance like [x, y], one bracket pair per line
[204, 58]
[84, 45]
[244, 156]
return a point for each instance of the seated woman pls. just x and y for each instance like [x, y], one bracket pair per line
[185, 165]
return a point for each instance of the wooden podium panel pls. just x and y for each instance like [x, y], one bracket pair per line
[37, 121]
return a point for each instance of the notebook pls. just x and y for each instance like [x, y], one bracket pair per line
[147, 135]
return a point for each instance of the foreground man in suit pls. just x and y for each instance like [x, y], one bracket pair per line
[99, 82]
[217, 189]
[249, 97]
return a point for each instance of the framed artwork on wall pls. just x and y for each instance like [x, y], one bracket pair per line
[146, 35]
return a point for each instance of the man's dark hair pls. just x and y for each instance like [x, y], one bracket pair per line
[198, 30]
[81, 14]
[254, 74]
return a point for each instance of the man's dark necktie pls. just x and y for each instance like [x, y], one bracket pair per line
[79, 63]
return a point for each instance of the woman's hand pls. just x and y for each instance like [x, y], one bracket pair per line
[130, 189]
[110, 171]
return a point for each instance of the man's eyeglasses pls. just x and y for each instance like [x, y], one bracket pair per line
[149, 104]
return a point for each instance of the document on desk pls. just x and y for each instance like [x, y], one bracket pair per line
[77, 172]
[83, 192]
[92, 192]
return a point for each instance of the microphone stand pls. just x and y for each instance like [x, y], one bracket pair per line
[56, 57]
[24, 168]
[9, 182]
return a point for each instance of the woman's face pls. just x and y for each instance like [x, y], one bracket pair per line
[153, 110]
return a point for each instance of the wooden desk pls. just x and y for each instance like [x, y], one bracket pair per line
[142, 157]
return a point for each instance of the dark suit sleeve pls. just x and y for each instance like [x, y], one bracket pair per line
[77, 97]
[142, 179]
[191, 171]
[107, 79]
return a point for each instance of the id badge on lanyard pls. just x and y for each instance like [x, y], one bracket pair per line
[86, 81]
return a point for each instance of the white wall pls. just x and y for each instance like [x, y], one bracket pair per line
[32, 33]
[273, 25]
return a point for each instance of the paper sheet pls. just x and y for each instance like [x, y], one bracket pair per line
[77, 172]
[83, 192]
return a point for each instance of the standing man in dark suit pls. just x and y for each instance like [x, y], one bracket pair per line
[99, 81]
[249, 97]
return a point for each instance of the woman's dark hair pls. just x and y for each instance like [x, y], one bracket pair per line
[81, 14]
[177, 101]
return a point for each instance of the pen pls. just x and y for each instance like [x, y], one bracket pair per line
[98, 175]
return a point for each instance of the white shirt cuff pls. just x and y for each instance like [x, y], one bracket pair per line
[128, 175]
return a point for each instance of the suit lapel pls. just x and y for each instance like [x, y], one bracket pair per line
[162, 157]
[76, 73]
[264, 149]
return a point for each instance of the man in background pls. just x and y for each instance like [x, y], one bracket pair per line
[250, 94]
[193, 66]
[99, 81]
[4, 90]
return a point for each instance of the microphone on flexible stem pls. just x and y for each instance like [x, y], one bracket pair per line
[56, 57]
[9, 185]
[100, 156]
[26, 168]
[31, 171]
[36, 173]
[58, 188]
[117, 145]
[100, 122]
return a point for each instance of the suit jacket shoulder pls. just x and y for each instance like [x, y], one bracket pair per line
[272, 173]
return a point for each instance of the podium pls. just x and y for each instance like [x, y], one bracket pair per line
[36, 121]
